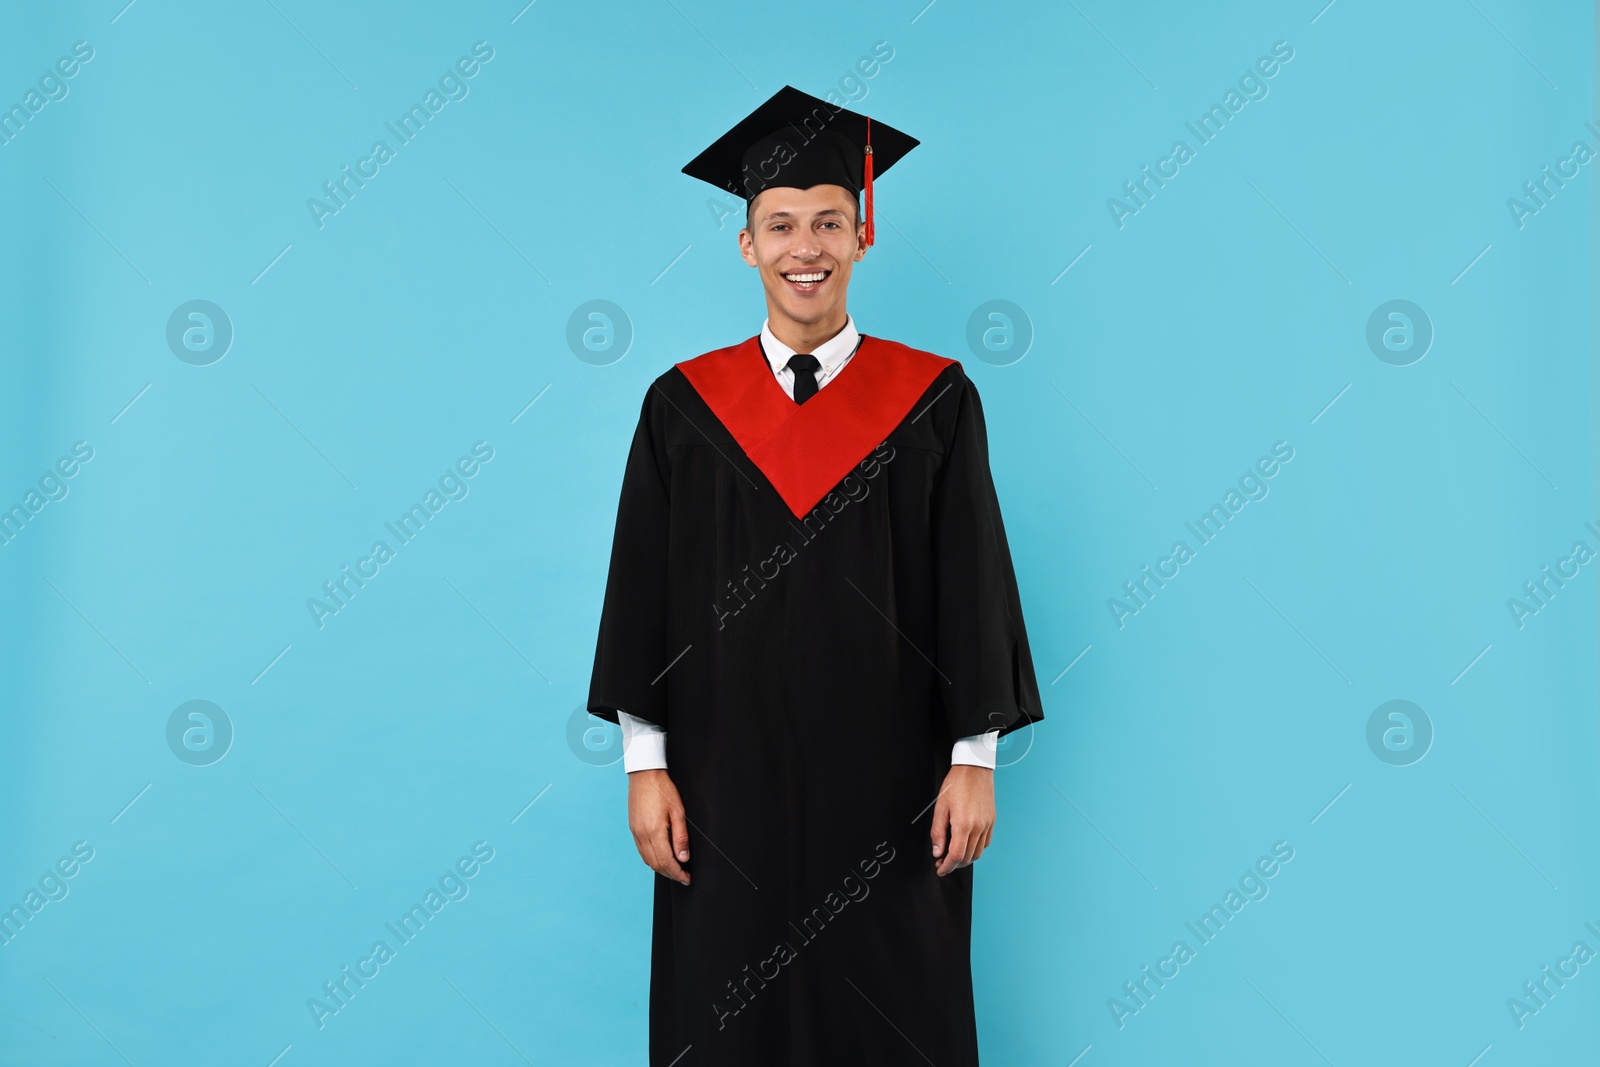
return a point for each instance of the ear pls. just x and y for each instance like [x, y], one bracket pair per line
[747, 246]
[861, 242]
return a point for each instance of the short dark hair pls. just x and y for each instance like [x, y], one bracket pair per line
[749, 206]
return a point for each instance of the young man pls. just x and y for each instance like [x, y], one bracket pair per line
[811, 638]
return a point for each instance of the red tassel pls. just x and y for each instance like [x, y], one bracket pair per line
[867, 181]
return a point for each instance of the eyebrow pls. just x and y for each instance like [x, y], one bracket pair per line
[790, 214]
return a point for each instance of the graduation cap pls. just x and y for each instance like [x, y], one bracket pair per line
[795, 140]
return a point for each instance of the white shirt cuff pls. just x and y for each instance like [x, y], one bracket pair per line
[977, 750]
[644, 744]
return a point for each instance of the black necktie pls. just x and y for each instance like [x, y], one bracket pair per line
[805, 367]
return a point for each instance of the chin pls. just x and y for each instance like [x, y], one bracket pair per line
[808, 313]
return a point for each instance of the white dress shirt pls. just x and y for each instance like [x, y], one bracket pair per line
[833, 354]
[644, 744]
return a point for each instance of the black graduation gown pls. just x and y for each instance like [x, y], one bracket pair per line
[813, 628]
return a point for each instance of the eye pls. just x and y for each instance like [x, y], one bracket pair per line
[835, 225]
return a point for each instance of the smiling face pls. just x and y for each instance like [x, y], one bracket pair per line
[804, 242]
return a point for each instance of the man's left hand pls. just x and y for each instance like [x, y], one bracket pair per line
[963, 817]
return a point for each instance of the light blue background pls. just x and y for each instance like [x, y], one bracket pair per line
[432, 710]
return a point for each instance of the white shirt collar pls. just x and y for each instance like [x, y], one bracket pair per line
[832, 353]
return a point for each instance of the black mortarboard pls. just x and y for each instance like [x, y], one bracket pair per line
[795, 140]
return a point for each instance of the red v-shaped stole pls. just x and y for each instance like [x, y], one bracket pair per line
[805, 449]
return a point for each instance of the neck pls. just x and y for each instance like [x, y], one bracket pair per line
[805, 336]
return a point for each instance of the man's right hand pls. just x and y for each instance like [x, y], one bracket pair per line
[660, 827]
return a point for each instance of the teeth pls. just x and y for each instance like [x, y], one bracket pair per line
[805, 278]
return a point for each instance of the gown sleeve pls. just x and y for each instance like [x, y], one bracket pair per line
[983, 652]
[631, 653]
